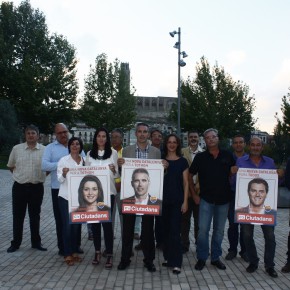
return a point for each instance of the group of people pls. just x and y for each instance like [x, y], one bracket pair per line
[197, 182]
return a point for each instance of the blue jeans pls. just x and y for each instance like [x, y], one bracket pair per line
[207, 213]
[270, 244]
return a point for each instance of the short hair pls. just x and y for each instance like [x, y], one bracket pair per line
[82, 202]
[153, 130]
[178, 149]
[192, 131]
[139, 170]
[238, 136]
[32, 127]
[141, 124]
[75, 139]
[210, 130]
[256, 137]
[118, 130]
[258, 181]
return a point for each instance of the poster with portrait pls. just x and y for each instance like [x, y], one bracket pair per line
[256, 196]
[142, 186]
[89, 194]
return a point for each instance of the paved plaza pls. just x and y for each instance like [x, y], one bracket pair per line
[31, 269]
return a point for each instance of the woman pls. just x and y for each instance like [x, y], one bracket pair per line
[91, 195]
[70, 231]
[103, 154]
[175, 193]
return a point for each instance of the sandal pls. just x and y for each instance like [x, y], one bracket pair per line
[69, 260]
[97, 259]
[76, 258]
[109, 262]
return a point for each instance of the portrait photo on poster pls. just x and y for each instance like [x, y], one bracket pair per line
[142, 185]
[256, 197]
[89, 195]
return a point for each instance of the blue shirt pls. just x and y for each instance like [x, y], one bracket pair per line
[52, 154]
[265, 163]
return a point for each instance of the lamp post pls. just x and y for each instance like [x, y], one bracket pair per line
[180, 63]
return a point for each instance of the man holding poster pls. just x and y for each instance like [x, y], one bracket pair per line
[256, 160]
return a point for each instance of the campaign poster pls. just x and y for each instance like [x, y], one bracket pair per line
[142, 186]
[89, 198]
[256, 196]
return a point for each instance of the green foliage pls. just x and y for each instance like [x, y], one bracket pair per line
[9, 131]
[108, 100]
[37, 70]
[214, 99]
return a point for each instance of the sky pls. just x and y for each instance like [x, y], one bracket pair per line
[249, 38]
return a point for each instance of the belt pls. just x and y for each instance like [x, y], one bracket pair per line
[28, 183]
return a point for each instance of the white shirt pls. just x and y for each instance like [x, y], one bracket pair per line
[65, 162]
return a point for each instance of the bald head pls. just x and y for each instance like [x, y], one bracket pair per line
[61, 133]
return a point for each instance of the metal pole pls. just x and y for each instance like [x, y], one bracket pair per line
[178, 85]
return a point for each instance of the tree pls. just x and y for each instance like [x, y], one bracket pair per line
[214, 99]
[281, 145]
[9, 131]
[108, 100]
[37, 70]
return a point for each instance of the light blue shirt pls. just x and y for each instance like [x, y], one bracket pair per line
[52, 154]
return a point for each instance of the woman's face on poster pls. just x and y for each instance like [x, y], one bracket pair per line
[90, 192]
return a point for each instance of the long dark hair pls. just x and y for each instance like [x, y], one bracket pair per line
[178, 148]
[82, 202]
[108, 149]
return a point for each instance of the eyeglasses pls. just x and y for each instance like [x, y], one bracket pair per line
[210, 137]
[62, 132]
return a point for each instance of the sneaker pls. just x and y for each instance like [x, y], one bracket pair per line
[230, 255]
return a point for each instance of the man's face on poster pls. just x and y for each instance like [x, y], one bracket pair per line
[140, 183]
[257, 194]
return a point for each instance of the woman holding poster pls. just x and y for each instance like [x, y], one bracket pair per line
[103, 154]
[70, 231]
[175, 196]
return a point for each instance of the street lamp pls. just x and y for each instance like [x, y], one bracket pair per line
[181, 63]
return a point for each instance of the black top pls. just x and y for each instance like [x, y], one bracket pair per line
[213, 175]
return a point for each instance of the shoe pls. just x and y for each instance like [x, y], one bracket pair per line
[165, 264]
[252, 268]
[69, 260]
[80, 250]
[245, 257]
[230, 255]
[109, 262]
[199, 265]
[97, 258]
[285, 269]
[77, 258]
[136, 236]
[40, 248]
[150, 267]
[138, 247]
[219, 264]
[104, 254]
[271, 271]
[123, 265]
[12, 249]
[176, 270]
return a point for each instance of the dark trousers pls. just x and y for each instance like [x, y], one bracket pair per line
[69, 231]
[159, 234]
[26, 196]
[147, 237]
[108, 232]
[234, 233]
[193, 210]
[172, 250]
[58, 221]
[270, 244]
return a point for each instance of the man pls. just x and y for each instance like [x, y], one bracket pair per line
[213, 167]
[189, 154]
[286, 267]
[27, 191]
[257, 191]
[140, 183]
[238, 145]
[141, 150]
[52, 154]
[255, 159]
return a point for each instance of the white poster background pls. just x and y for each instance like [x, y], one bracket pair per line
[156, 173]
[74, 177]
[244, 176]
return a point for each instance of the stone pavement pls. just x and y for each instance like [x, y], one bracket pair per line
[31, 269]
